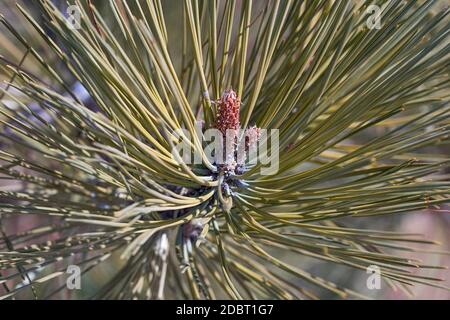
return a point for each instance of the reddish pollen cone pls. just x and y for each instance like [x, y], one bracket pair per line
[228, 111]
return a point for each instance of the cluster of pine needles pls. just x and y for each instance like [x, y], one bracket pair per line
[89, 117]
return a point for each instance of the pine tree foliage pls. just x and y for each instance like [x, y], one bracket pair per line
[360, 114]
